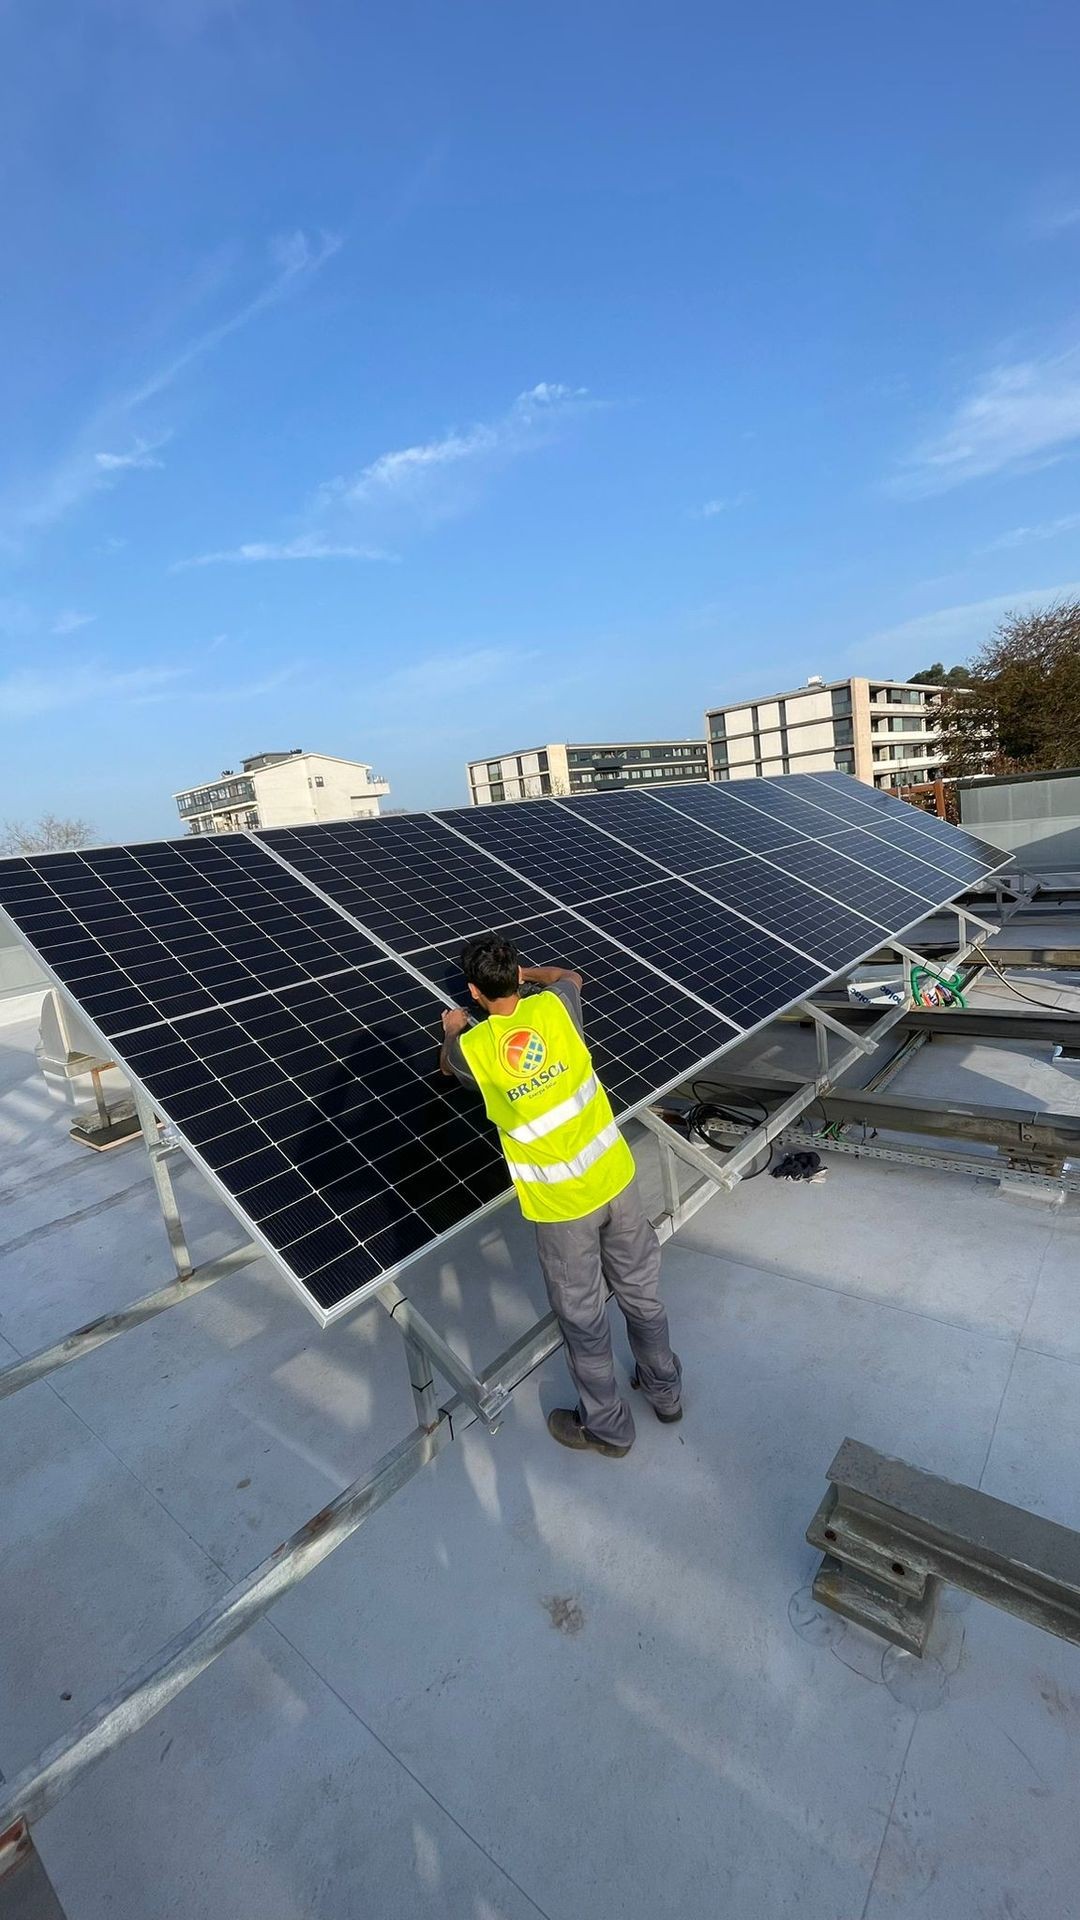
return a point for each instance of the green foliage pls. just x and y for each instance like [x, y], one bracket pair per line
[1020, 711]
[940, 676]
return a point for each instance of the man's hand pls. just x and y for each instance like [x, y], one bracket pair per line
[454, 1021]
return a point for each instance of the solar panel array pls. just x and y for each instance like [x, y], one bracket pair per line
[278, 996]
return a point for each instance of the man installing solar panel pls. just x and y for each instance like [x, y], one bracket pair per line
[575, 1178]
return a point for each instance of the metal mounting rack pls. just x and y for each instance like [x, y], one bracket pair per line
[25, 1893]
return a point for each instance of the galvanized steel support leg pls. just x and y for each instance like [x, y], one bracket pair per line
[488, 1404]
[423, 1385]
[170, 1208]
[669, 1178]
[99, 1096]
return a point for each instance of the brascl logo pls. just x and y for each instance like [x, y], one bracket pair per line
[522, 1051]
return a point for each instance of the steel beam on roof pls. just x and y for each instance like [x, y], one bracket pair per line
[892, 1535]
[1060, 1025]
[96, 1333]
[1024, 1129]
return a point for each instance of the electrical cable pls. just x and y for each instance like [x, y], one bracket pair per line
[1053, 1005]
[734, 1111]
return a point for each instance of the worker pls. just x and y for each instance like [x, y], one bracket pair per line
[575, 1179]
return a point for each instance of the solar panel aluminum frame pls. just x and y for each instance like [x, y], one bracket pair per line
[325, 1316]
[933, 904]
[888, 937]
[369, 1289]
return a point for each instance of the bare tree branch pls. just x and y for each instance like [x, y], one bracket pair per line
[50, 834]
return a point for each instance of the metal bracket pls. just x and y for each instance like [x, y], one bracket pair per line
[729, 1171]
[893, 1535]
[166, 1193]
[488, 1403]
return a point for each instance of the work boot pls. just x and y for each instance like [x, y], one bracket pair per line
[669, 1419]
[564, 1425]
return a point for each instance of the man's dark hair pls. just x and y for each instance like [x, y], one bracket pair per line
[490, 963]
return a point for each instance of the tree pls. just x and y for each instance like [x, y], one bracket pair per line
[1021, 710]
[940, 676]
[50, 834]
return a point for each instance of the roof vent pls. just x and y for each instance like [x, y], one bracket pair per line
[815, 680]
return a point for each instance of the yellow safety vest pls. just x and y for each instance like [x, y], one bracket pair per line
[565, 1153]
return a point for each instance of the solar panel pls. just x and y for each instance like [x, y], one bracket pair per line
[154, 932]
[840, 790]
[833, 933]
[679, 843]
[957, 854]
[318, 1112]
[278, 997]
[741, 972]
[898, 853]
[552, 849]
[747, 828]
[405, 879]
[819, 865]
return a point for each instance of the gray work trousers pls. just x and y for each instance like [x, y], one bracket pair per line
[616, 1244]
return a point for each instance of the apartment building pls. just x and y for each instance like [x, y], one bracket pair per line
[283, 790]
[886, 732]
[583, 767]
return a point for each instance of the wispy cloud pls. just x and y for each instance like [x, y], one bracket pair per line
[28, 692]
[1043, 530]
[69, 621]
[424, 477]
[90, 464]
[952, 631]
[1019, 416]
[296, 258]
[141, 456]
[416, 485]
[725, 503]
[447, 676]
[306, 547]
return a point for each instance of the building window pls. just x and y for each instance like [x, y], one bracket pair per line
[319, 781]
[542, 762]
[494, 769]
[498, 791]
[841, 700]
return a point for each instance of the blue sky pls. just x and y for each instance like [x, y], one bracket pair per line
[417, 382]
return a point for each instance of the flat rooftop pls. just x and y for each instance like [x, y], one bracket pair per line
[538, 1684]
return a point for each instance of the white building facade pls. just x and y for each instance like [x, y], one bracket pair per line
[283, 790]
[885, 732]
[583, 767]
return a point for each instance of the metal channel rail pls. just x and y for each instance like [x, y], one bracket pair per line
[892, 1536]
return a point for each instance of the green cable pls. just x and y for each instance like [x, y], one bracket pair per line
[952, 983]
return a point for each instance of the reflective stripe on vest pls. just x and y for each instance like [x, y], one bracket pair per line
[566, 1169]
[555, 1116]
[563, 1149]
